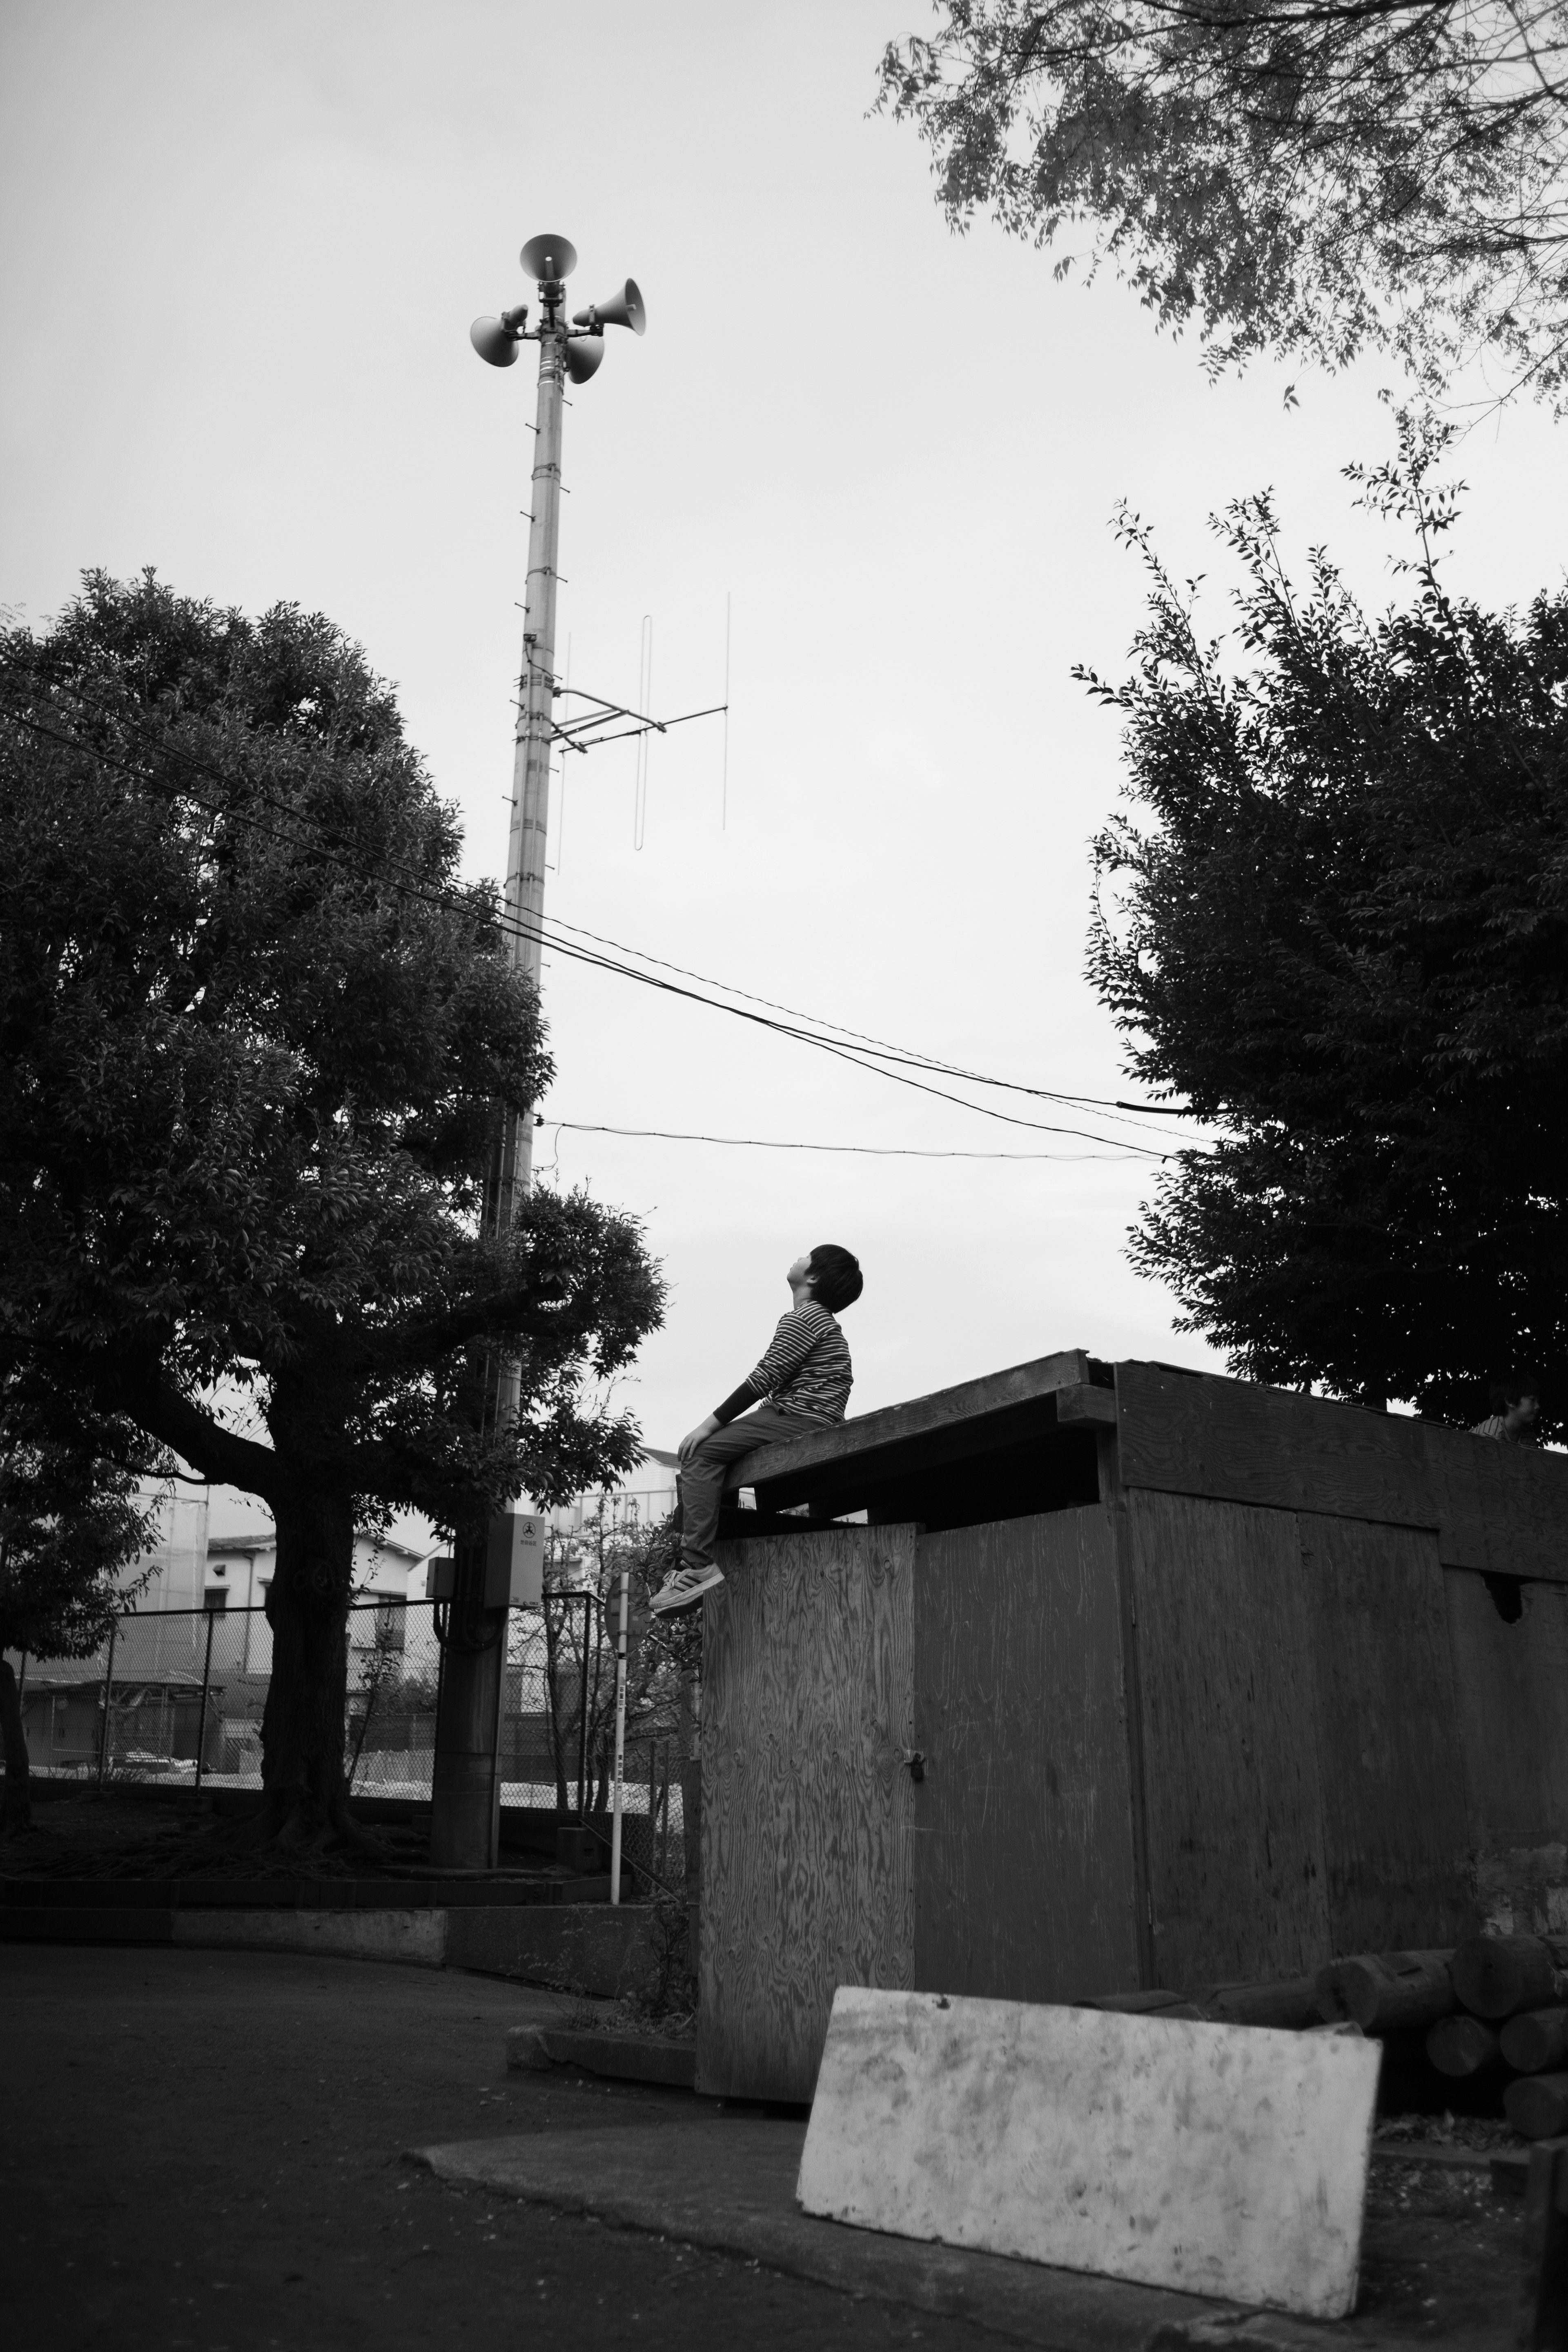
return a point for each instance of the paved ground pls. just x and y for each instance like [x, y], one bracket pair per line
[205, 2151]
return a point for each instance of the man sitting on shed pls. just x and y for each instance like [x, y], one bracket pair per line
[806, 1378]
[1515, 1402]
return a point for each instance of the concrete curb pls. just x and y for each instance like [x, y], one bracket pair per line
[727, 2184]
[418, 1938]
[594, 1948]
[415, 1938]
[624, 2057]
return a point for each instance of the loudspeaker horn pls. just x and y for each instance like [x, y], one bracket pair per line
[626, 308]
[493, 341]
[584, 353]
[549, 256]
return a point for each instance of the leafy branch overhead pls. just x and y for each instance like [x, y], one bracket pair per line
[1318, 178]
[1334, 922]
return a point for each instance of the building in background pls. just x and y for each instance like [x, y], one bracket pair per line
[178, 1552]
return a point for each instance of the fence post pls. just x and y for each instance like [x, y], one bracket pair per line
[582, 1721]
[619, 1807]
[207, 1678]
[108, 1698]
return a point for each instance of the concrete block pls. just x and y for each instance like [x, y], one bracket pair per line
[1224, 2160]
[526, 2052]
[582, 1851]
[415, 1937]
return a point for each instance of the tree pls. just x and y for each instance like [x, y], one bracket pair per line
[1342, 936]
[71, 1522]
[257, 1035]
[1318, 177]
[663, 1658]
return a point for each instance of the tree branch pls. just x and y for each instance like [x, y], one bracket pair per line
[164, 1414]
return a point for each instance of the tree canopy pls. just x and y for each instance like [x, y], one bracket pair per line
[1318, 177]
[1334, 922]
[257, 1034]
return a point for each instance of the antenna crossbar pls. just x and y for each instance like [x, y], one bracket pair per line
[575, 734]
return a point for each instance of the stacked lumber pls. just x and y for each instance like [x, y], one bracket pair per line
[1490, 2014]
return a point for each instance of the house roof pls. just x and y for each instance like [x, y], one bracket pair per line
[254, 1541]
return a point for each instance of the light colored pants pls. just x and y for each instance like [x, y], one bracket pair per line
[701, 1478]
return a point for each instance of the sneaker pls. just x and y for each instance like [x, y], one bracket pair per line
[684, 1589]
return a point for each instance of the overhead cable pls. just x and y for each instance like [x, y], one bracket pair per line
[859, 1151]
[868, 1056]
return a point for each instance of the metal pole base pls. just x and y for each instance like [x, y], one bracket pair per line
[464, 1783]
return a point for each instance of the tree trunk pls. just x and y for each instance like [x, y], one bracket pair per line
[15, 1807]
[555, 1624]
[305, 1802]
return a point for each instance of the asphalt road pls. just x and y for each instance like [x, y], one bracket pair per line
[204, 2152]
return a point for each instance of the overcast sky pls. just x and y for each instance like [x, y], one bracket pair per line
[242, 246]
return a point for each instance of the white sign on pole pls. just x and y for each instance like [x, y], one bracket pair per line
[514, 1565]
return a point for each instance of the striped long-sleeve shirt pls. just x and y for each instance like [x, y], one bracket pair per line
[807, 1369]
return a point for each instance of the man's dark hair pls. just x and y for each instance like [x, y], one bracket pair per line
[1511, 1387]
[836, 1278]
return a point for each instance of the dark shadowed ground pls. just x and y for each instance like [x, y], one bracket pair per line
[204, 2152]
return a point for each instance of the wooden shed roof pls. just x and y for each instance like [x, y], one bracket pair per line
[1069, 1429]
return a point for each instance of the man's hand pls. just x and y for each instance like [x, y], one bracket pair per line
[694, 1437]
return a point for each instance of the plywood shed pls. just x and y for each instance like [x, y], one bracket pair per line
[1087, 1677]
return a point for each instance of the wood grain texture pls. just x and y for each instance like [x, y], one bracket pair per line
[1509, 1683]
[1187, 1434]
[1237, 1868]
[1499, 1507]
[806, 1802]
[1390, 1755]
[1024, 1868]
[1524, 1510]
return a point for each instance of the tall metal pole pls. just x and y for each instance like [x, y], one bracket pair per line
[620, 1798]
[464, 1777]
[535, 718]
[465, 1825]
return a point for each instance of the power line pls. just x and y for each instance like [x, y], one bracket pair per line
[879, 1044]
[463, 902]
[860, 1150]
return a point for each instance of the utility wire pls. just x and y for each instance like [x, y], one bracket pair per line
[859, 1151]
[464, 902]
[880, 1046]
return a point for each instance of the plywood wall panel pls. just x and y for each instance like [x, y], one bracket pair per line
[1024, 1874]
[1390, 1757]
[806, 1811]
[1239, 1442]
[1502, 1507]
[1236, 1874]
[1511, 1680]
[1523, 1496]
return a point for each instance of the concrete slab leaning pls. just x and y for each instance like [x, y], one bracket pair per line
[1227, 2160]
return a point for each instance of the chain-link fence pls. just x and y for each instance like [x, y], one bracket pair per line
[177, 1697]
